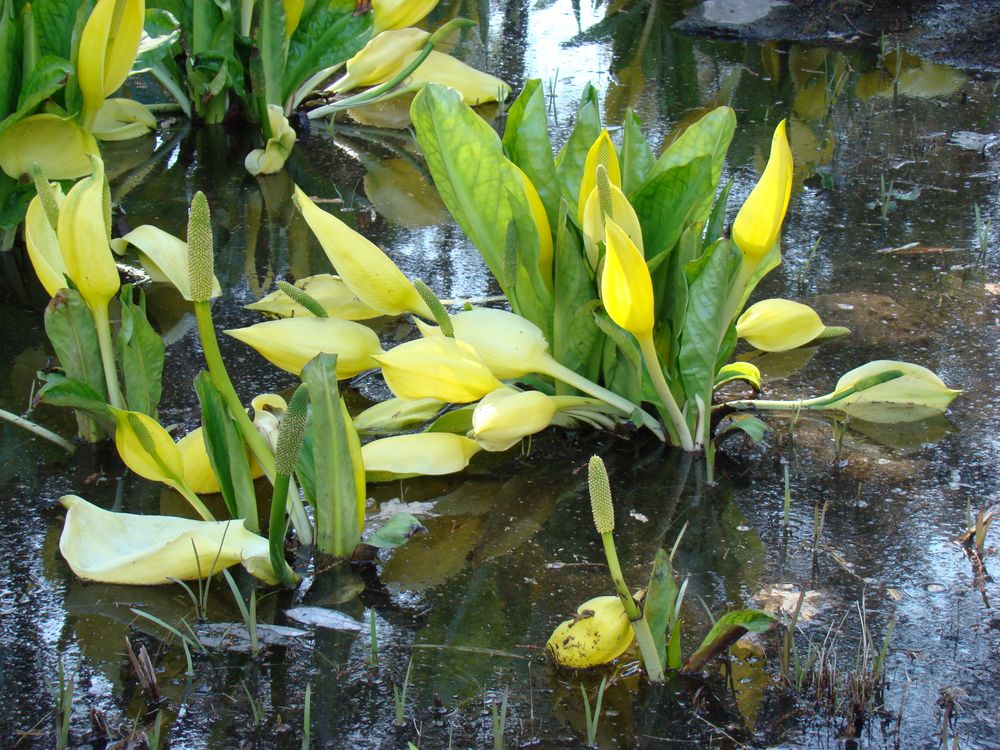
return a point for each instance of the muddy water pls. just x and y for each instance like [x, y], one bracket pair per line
[510, 548]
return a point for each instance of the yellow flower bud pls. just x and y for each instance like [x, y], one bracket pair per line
[437, 367]
[626, 287]
[504, 416]
[291, 342]
[758, 222]
[395, 14]
[600, 633]
[776, 325]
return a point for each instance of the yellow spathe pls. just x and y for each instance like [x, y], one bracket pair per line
[395, 14]
[602, 152]
[60, 147]
[327, 289]
[164, 464]
[758, 223]
[917, 394]
[150, 550]
[475, 86]
[504, 416]
[600, 633]
[164, 257]
[626, 287]
[593, 224]
[291, 342]
[777, 325]
[108, 46]
[43, 244]
[367, 271]
[381, 59]
[122, 119]
[272, 157]
[426, 453]
[437, 367]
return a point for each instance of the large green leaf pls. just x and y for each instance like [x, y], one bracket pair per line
[162, 31]
[54, 21]
[668, 202]
[10, 58]
[661, 595]
[325, 37]
[710, 136]
[526, 141]
[270, 43]
[622, 360]
[48, 77]
[573, 155]
[703, 324]
[70, 328]
[69, 393]
[472, 175]
[575, 335]
[226, 453]
[727, 630]
[636, 155]
[335, 453]
[140, 352]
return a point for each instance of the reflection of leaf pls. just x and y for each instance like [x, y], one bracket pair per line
[434, 557]
[777, 365]
[903, 435]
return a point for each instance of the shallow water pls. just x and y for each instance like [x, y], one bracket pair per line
[510, 548]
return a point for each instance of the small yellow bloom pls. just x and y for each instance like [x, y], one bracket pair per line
[396, 14]
[290, 343]
[43, 244]
[148, 450]
[59, 146]
[425, 453]
[437, 367]
[367, 271]
[381, 59]
[123, 119]
[327, 289]
[600, 633]
[293, 13]
[272, 157]
[504, 416]
[125, 548]
[475, 86]
[83, 238]
[626, 287]
[601, 152]
[164, 257]
[108, 46]
[594, 220]
[758, 222]
[776, 325]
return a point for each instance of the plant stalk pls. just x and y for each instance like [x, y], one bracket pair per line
[103, 326]
[37, 429]
[652, 361]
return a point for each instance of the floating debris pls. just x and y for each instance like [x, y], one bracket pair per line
[321, 617]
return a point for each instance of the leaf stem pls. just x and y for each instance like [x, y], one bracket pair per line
[37, 429]
[652, 361]
[103, 326]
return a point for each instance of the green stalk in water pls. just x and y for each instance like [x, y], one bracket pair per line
[604, 519]
[201, 270]
[293, 428]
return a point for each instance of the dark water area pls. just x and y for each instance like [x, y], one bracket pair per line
[510, 551]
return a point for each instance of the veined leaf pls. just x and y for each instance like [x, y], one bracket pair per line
[754, 427]
[59, 390]
[226, 453]
[54, 22]
[327, 36]
[338, 476]
[703, 325]
[271, 45]
[140, 352]
[526, 141]
[70, 328]
[396, 532]
[10, 58]
[160, 31]
[47, 78]
[573, 155]
[727, 630]
[717, 218]
[669, 200]
[636, 157]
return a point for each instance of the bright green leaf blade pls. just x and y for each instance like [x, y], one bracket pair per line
[754, 427]
[456, 421]
[717, 217]
[271, 46]
[637, 157]
[10, 58]
[573, 155]
[162, 31]
[226, 453]
[140, 353]
[336, 491]
[703, 325]
[54, 21]
[727, 630]
[70, 327]
[396, 532]
[70, 393]
[659, 601]
[47, 78]
[329, 35]
[667, 203]
[526, 141]
[575, 335]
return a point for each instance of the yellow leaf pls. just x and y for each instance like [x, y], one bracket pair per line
[367, 271]
[291, 342]
[60, 147]
[437, 367]
[125, 548]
